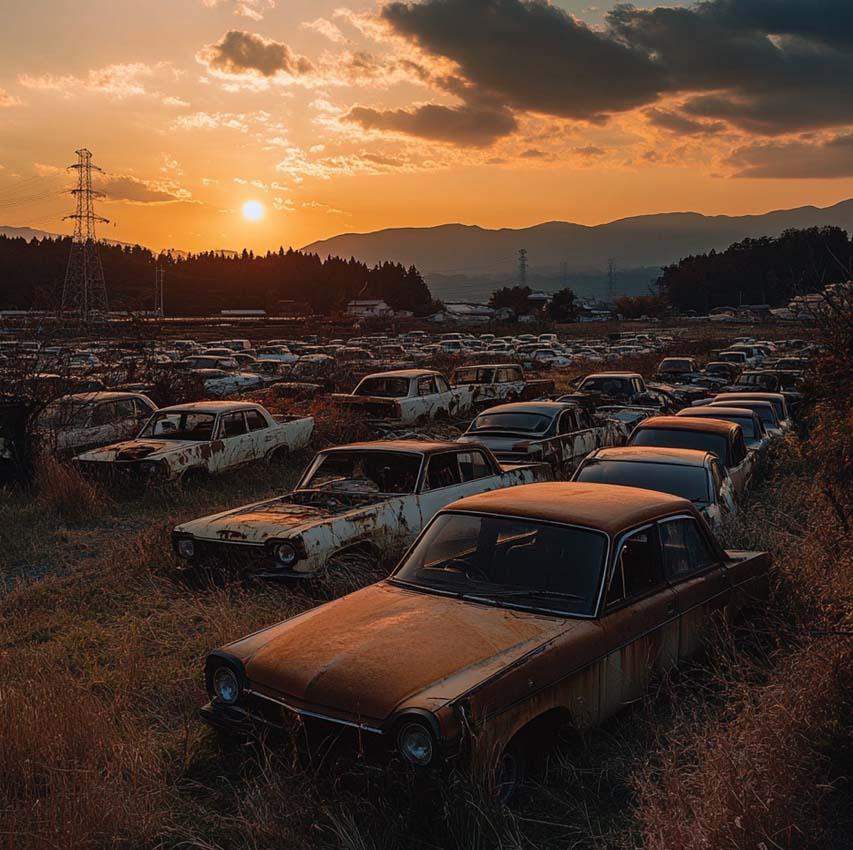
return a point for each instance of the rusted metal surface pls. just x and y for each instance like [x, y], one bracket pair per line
[174, 458]
[479, 674]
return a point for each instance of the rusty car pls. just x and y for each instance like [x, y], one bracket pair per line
[690, 474]
[407, 396]
[515, 613]
[492, 383]
[560, 433]
[190, 441]
[363, 499]
[724, 439]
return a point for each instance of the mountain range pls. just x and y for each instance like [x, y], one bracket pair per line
[465, 261]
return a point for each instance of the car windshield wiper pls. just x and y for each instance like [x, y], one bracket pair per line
[511, 593]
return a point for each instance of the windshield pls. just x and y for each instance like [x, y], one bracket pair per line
[681, 439]
[473, 376]
[529, 423]
[766, 412]
[384, 387]
[509, 561]
[747, 423]
[733, 357]
[688, 482]
[757, 380]
[609, 386]
[188, 425]
[675, 366]
[370, 472]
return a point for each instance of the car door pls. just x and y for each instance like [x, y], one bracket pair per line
[639, 618]
[238, 443]
[452, 475]
[101, 429]
[573, 445]
[694, 567]
[740, 463]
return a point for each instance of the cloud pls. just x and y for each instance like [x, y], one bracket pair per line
[798, 159]
[175, 102]
[239, 52]
[326, 28]
[531, 55]
[44, 170]
[125, 187]
[252, 9]
[240, 121]
[7, 99]
[677, 122]
[589, 150]
[466, 125]
[119, 81]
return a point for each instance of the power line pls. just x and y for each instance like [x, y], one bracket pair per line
[84, 294]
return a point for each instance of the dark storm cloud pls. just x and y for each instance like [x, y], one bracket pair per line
[466, 125]
[767, 66]
[675, 122]
[238, 52]
[532, 55]
[797, 159]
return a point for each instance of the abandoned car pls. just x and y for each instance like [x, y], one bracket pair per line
[189, 441]
[560, 433]
[690, 474]
[407, 396]
[365, 499]
[491, 383]
[515, 612]
[724, 439]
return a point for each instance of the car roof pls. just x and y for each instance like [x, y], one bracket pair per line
[403, 373]
[543, 407]
[758, 396]
[686, 423]
[655, 454]
[99, 395]
[408, 446]
[606, 507]
[613, 375]
[210, 406]
[718, 409]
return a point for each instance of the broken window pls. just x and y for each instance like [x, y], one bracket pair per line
[443, 471]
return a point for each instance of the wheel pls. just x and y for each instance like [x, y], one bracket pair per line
[511, 772]
[193, 478]
[279, 456]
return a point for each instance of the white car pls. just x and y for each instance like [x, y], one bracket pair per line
[219, 384]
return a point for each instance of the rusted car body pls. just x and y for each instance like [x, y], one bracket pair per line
[365, 498]
[724, 439]
[561, 434]
[205, 437]
[407, 396]
[492, 383]
[515, 611]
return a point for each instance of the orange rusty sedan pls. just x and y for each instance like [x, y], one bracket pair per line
[514, 612]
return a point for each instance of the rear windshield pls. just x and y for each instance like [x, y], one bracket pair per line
[688, 482]
[679, 439]
[605, 385]
[529, 423]
[473, 376]
[384, 387]
[675, 366]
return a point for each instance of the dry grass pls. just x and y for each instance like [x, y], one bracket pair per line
[63, 492]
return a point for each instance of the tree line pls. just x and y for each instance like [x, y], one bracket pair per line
[32, 275]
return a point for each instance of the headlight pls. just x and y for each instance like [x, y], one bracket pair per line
[226, 688]
[185, 547]
[286, 554]
[150, 467]
[415, 743]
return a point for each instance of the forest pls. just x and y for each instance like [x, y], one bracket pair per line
[32, 274]
[769, 270]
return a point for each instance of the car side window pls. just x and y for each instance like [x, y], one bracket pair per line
[104, 414]
[426, 386]
[685, 549]
[567, 422]
[255, 420]
[125, 409]
[233, 424]
[443, 471]
[637, 568]
[739, 448]
[473, 466]
[716, 477]
[142, 409]
[502, 376]
[442, 385]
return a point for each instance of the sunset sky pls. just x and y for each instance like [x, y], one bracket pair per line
[353, 115]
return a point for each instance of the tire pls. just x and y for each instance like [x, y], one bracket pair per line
[194, 477]
[278, 457]
[511, 772]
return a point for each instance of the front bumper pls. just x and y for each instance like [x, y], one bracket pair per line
[240, 559]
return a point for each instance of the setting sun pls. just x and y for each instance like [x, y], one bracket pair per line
[253, 210]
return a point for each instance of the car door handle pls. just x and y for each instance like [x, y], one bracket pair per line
[670, 611]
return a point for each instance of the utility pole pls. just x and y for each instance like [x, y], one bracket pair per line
[84, 293]
[611, 268]
[522, 267]
[159, 302]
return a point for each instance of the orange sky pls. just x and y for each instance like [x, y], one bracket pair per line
[337, 116]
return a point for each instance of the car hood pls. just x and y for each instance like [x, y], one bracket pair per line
[139, 450]
[385, 646]
[259, 522]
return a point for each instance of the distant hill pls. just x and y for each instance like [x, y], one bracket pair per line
[24, 233]
[460, 251]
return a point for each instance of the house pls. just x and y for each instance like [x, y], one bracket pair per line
[369, 308]
[461, 311]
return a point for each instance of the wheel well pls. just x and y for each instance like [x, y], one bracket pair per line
[542, 728]
[365, 548]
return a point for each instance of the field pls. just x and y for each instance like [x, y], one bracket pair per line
[102, 643]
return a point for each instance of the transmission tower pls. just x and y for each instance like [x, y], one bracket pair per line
[84, 294]
[159, 286]
[522, 267]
